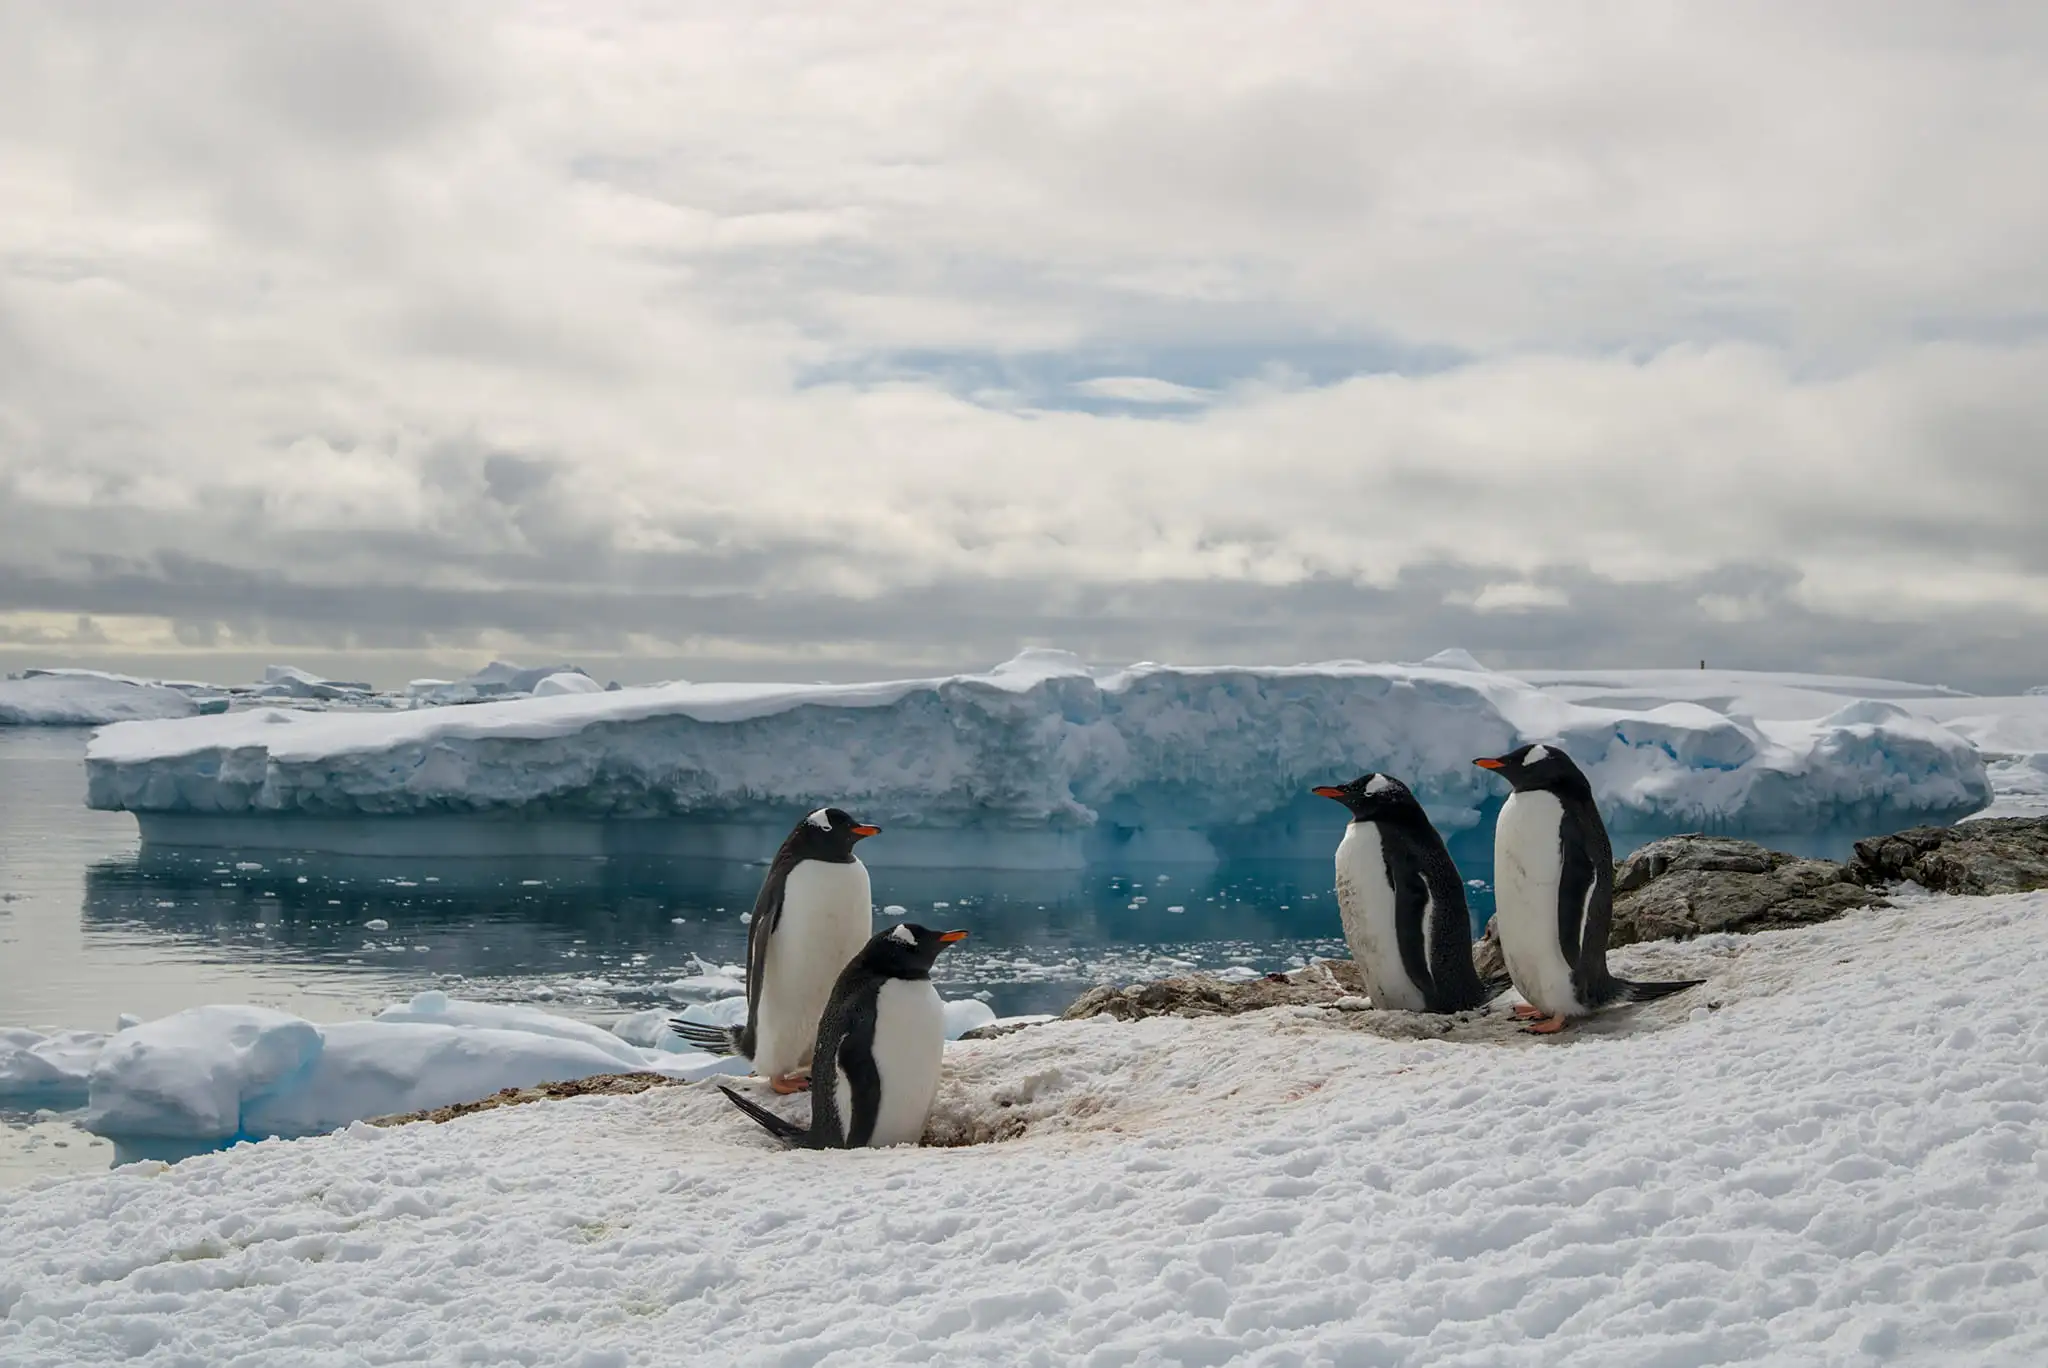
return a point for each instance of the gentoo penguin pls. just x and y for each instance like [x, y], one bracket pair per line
[1553, 872]
[1402, 903]
[812, 916]
[879, 1046]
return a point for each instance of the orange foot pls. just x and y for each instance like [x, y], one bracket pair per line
[790, 1082]
[1525, 1011]
[1547, 1026]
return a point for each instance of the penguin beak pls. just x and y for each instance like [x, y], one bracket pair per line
[865, 830]
[948, 937]
[1327, 791]
[1491, 764]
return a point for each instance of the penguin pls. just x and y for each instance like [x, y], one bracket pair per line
[1553, 871]
[813, 914]
[879, 1046]
[1402, 902]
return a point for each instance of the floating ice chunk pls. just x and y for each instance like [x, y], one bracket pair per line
[965, 1014]
[382, 1068]
[569, 682]
[895, 910]
[47, 1068]
[376, 924]
[189, 1074]
[86, 699]
[437, 1008]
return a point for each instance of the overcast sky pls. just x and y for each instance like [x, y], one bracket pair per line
[820, 341]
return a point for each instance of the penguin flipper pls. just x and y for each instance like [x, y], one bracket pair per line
[718, 1040]
[788, 1132]
[1650, 992]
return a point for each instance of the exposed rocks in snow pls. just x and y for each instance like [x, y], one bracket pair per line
[1319, 984]
[1998, 855]
[1686, 886]
[599, 1085]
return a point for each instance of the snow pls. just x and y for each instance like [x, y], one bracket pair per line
[83, 698]
[1714, 1179]
[436, 1008]
[1043, 762]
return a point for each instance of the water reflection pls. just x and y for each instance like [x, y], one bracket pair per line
[619, 933]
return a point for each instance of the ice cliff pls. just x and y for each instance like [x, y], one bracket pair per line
[1038, 761]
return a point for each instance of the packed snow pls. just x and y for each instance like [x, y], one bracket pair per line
[1041, 762]
[85, 698]
[1831, 1153]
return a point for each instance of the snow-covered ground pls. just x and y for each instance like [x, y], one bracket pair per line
[1042, 761]
[1834, 1153]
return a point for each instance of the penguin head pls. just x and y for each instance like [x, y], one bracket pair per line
[828, 834]
[1539, 765]
[906, 950]
[1372, 797]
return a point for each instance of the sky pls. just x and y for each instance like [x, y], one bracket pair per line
[800, 341]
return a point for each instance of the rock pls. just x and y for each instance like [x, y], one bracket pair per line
[1998, 855]
[1320, 984]
[1486, 955]
[598, 1085]
[1685, 886]
[1003, 1026]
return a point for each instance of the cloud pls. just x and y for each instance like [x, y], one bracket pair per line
[881, 335]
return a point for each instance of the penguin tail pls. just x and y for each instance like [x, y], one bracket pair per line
[718, 1040]
[788, 1132]
[1650, 992]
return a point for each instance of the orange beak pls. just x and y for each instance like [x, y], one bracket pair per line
[1491, 764]
[948, 937]
[865, 830]
[1327, 791]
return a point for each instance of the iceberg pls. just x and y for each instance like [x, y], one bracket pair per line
[1041, 762]
[87, 698]
[219, 1073]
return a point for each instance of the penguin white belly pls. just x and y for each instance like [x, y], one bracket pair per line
[910, 1042]
[827, 916]
[1528, 865]
[1365, 902]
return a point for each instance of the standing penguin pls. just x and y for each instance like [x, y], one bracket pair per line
[1553, 871]
[812, 915]
[1402, 903]
[880, 1042]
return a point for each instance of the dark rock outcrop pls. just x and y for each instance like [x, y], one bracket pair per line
[1685, 886]
[1319, 984]
[1997, 855]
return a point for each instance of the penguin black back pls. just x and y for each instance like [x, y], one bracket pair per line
[847, 1084]
[1432, 922]
[1585, 893]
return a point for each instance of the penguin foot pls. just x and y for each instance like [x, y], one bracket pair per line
[1525, 1011]
[790, 1083]
[1547, 1026]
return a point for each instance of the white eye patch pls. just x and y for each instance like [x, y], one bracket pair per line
[900, 932]
[820, 819]
[1536, 755]
[1380, 784]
